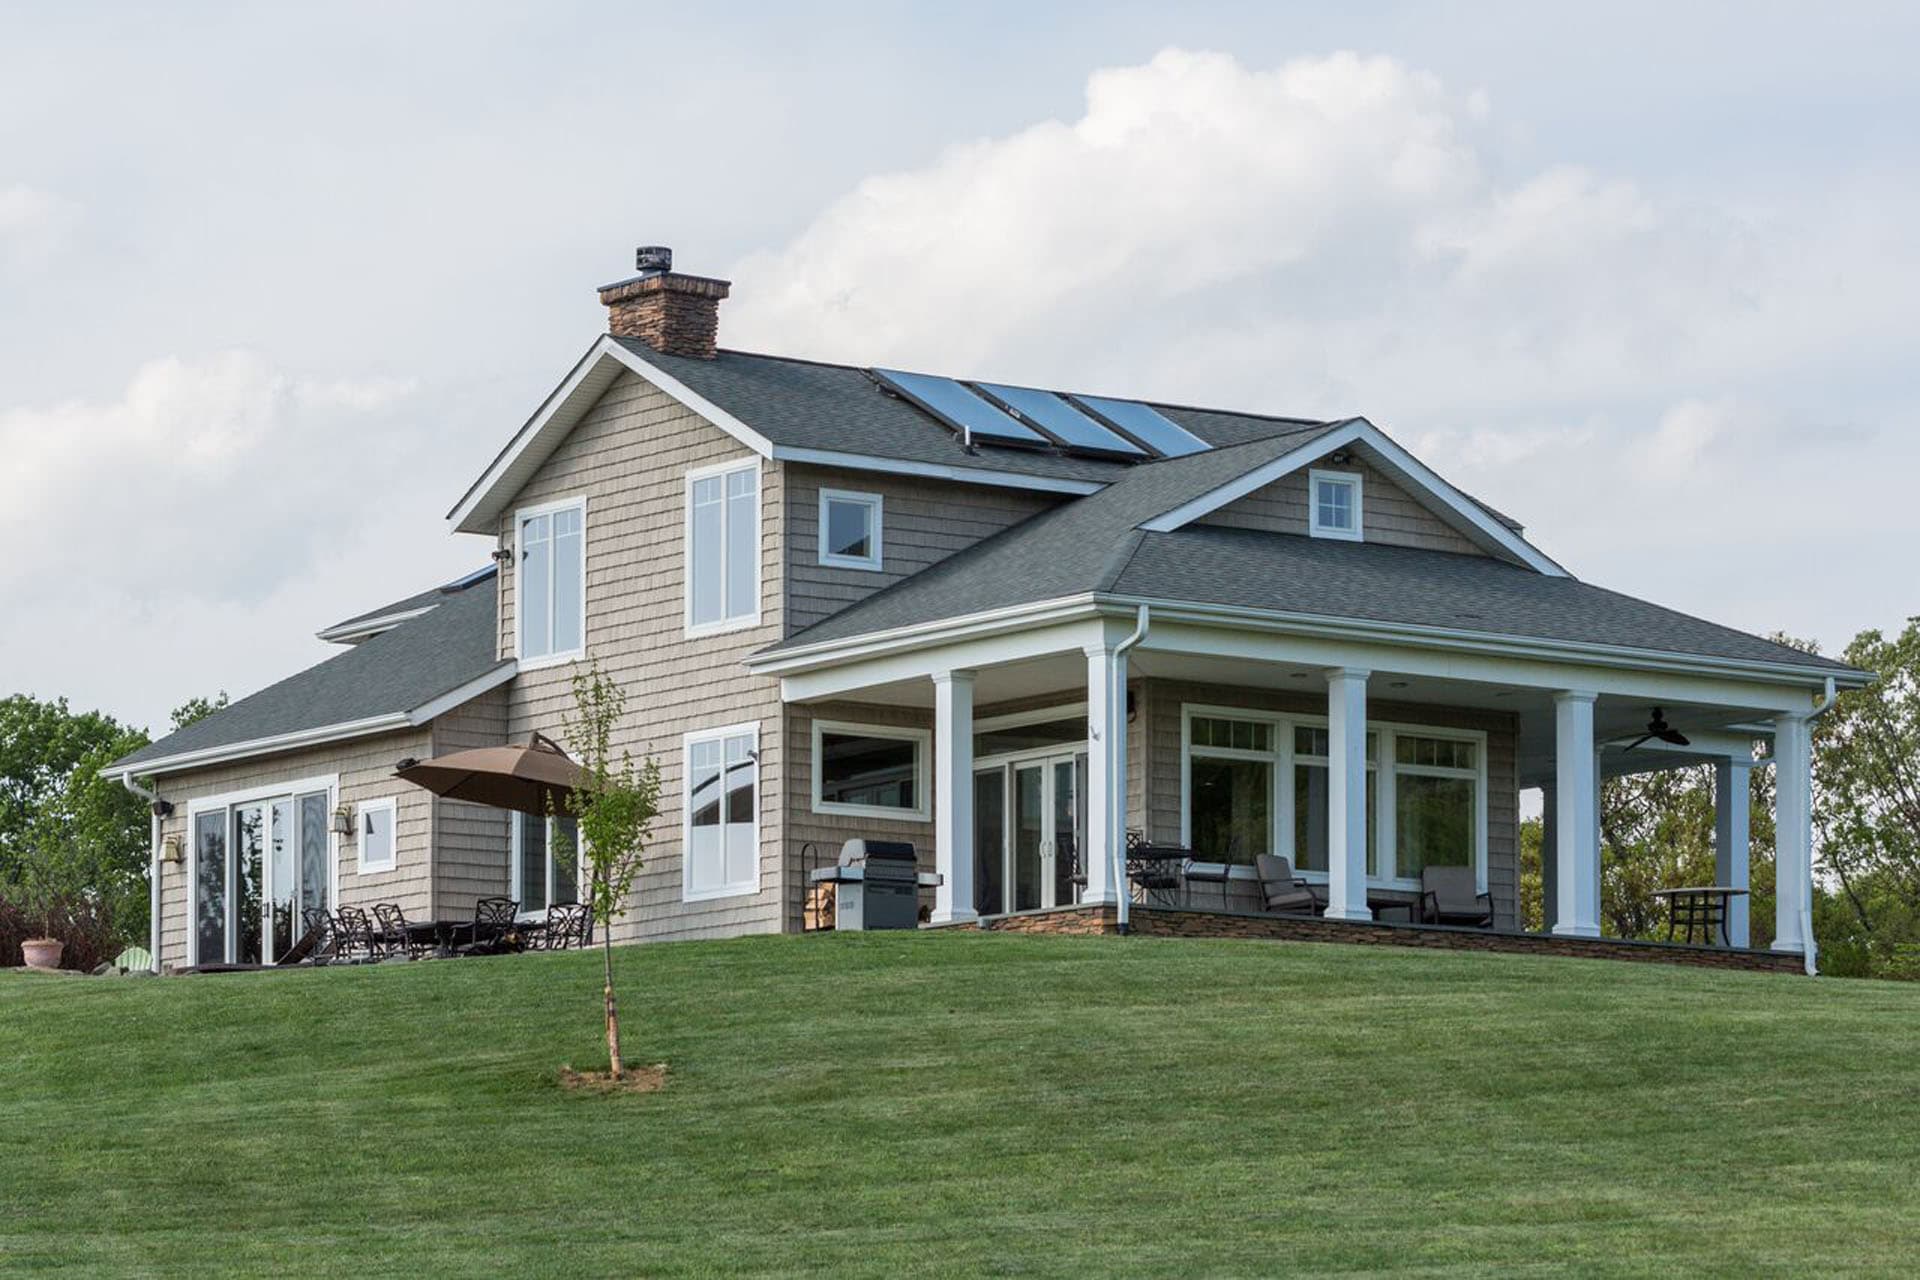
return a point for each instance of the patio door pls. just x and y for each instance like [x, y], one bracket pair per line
[258, 866]
[1046, 832]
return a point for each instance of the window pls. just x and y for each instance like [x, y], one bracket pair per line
[870, 770]
[722, 839]
[1334, 504]
[1230, 772]
[849, 529]
[550, 609]
[1436, 803]
[546, 861]
[377, 836]
[723, 548]
[1310, 746]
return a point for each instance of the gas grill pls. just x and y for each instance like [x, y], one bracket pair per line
[876, 885]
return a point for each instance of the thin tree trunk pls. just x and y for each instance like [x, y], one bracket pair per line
[613, 1015]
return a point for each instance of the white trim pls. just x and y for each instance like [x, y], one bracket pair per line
[1462, 512]
[262, 746]
[875, 505]
[362, 867]
[922, 770]
[516, 872]
[937, 471]
[460, 695]
[1039, 715]
[1349, 480]
[367, 628]
[1381, 766]
[553, 658]
[743, 888]
[690, 628]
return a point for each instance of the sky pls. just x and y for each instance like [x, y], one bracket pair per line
[276, 282]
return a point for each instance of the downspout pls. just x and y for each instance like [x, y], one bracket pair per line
[153, 867]
[1116, 833]
[1806, 899]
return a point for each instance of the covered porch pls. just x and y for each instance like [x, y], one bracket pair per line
[1365, 758]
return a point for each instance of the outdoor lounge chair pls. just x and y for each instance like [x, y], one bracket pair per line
[1448, 896]
[1284, 893]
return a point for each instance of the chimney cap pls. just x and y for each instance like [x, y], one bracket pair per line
[653, 259]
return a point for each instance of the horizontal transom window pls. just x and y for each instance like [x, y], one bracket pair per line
[1236, 735]
[1437, 753]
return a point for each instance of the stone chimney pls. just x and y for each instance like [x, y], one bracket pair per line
[677, 315]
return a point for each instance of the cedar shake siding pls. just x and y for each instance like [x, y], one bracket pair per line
[365, 770]
[470, 849]
[629, 457]
[922, 523]
[1387, 514]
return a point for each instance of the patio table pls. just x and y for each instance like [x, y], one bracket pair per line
[1700, 906]
[1155, 871]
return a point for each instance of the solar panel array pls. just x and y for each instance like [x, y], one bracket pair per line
[1025, 417]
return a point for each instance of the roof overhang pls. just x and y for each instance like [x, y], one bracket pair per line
[487, 499]
[1464, 515]
[320, 735]
[802, 659]
[367, 628]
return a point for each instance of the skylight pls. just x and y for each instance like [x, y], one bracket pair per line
[1145, 424]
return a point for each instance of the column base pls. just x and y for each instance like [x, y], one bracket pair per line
[1576, 931]
[1362, 914]
[953, 917]
[1793, 947]
[1098, 900]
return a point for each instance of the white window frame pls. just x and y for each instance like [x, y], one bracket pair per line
[225, 802]
[518, 871]
[1382, 819]
[743, 888]
[361, 867]
[722, 470]
[1351, 481]
[875, 505]
[922, 740]
[577, 502]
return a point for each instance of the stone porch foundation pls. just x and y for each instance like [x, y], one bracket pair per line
[1202, 922]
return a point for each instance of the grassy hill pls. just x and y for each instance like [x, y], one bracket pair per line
[889, 1104]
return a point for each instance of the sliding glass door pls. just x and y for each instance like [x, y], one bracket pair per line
[1027, 820]
[258, 865]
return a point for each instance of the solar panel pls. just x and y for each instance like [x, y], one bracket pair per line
[1061, 420]
[1145, 424]
[963, 410]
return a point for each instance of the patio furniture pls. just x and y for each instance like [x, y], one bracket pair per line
[1701, 907]
[353, 935]
[494, 926]
[1284, 893]
[395, 936]
[568, 925]
[1449, 895]
[1068, 869]
[1217, 873]
[1154, 871]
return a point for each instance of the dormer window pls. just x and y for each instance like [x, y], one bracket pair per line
[1333, 506]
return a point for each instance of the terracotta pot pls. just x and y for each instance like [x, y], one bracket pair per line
[42, 953]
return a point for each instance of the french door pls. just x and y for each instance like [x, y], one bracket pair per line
[258, 865]
[1027, 831]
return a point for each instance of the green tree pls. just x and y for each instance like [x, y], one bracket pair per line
[613, 806]
[197, 709]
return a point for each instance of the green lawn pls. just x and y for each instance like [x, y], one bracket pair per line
[888, 1104]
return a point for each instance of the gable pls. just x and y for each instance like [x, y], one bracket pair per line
[1389, 513]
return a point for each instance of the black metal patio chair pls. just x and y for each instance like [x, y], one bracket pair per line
[495, 927]
[353, 935]
[394, 936]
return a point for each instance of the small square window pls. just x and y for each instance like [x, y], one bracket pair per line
[849, 529]
[1334, 504]
[377, 836]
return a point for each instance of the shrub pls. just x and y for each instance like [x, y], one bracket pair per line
[75, 919]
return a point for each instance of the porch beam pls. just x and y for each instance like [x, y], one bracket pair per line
[953, 850]
[1577, 820]
[1106, 773]
[1793, 834]
[1347, 794]
[1732, 841]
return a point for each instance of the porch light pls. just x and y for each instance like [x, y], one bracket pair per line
[172, 849]
[343, 822]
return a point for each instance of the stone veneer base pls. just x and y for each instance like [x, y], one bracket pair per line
[1200, 922]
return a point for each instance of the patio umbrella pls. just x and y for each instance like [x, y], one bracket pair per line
[534, 778]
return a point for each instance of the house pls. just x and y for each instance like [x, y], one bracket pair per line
[1009, 625]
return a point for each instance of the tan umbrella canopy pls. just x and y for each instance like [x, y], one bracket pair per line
[535, 778]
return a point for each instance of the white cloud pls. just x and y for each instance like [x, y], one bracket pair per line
[32, 225]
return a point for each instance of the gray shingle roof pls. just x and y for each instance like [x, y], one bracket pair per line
[1093, 544]
[391, 673]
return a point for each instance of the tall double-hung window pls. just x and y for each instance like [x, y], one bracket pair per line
[723, 547]
[722, 813]
[551, 604]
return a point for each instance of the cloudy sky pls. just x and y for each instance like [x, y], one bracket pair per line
[276, 282]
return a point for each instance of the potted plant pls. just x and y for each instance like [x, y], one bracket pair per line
[42, 952]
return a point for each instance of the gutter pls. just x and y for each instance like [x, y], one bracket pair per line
[153, 868]
[1116, 865]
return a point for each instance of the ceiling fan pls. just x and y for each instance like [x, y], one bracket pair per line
[1659, 728]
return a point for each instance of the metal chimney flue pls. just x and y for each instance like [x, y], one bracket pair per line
[653, 259]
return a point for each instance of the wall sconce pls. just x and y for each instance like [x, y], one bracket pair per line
[343, 822]
[172, 849]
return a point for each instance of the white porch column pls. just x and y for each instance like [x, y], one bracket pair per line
[953, 796]
[1792, 834]
[1577, 819]
[1731, 839]
[1347, 795]
[1549, 857]
[1106, 773]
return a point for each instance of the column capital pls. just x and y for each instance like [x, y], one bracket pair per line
[953, 677]
[1575, 695]
[1347, 673]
